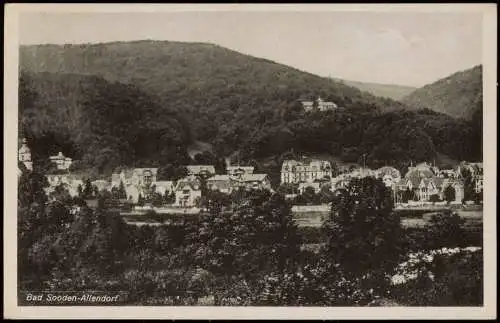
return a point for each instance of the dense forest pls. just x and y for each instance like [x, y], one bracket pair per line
[145, 102]
[208, 83]
[101, 124]
[459, 95]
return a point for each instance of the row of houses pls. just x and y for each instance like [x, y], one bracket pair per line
[144, 182]
[423, 180]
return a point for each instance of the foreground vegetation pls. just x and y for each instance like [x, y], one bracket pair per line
[249, 256]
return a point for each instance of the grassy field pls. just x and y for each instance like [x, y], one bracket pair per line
[409, 218]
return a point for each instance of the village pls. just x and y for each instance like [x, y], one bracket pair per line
[250, 158]
[139, 190]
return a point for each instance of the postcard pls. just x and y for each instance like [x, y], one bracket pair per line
[250, 161]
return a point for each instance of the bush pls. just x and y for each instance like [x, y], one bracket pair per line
[455, 280]
[434, 198]
[311, 235]
[445, 230]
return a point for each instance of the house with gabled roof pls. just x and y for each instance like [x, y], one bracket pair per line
[424, 183]
[188, 191]
[69, 181]
[200, 170]
[237, 170]
[417, 180]
[221, 183]
[229, 183]
[253, 181]
[24, 155]
[62, 162]
[389, 175]
[134, 176]
[136, 181]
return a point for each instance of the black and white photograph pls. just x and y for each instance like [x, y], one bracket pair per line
[235, 158]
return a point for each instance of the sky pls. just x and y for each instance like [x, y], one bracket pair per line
[407, 48]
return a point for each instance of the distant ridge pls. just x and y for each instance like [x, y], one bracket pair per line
[393, 91]
[458, 95]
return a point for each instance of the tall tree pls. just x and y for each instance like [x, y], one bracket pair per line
[80, 191]
[468, 183]
[259, 234]
[122, 193]
[449, 194]
[88, 190]
[140, 200]
[363, 232]
[171, 172]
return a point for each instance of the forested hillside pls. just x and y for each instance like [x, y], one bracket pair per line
[458, 95]
[146, 102]
[103, 124]
[205, 81]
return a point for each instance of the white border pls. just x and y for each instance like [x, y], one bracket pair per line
[10, 181]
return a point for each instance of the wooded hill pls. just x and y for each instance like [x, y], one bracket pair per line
[459, 95]
[147, 101]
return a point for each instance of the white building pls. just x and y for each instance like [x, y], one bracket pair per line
[221, 183]
[293, 171]
[340, 181]
[343, 179]
[135, 176]
[24, 155]
[68, 181]
[321, 105]
[188, 192]
[62, 162]
[201, 170]
[389, 175]
[102, 185]
[447, 173]
[308, 105]
[325, 105]
[164, 187]
[253, 181]
[136, 181]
